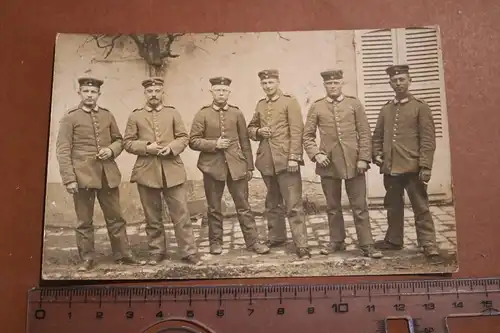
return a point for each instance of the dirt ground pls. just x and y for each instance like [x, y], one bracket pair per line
[60, 261]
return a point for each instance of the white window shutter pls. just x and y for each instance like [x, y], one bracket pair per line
[422, 53]
[375, 51]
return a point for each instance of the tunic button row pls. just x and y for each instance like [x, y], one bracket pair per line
[337, 121]
[221, 122]
[395, 125]
[96, 131]
[268, 109]
[156, 127]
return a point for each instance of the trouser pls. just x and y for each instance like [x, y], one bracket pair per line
[394, 203]
[284, 198]
[238, 189]
[176, 198]
[356, 193]
[109, 200]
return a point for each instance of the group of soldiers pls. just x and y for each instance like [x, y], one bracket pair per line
[402, 146]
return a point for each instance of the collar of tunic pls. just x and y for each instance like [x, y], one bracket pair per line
[402, 101]
[86, 109]
[275, 97]
[149, 108]
[338, 99]
[218, 108]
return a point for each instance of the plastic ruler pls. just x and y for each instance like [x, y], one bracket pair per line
[416, 306]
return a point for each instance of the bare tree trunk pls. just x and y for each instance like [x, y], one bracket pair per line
[155, 71]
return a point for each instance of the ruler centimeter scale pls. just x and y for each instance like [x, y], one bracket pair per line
[423, 306]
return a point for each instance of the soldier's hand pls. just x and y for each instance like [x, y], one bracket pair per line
[165, 151]
[72, 187]
[249, 175]
[265, 132]
[378, 160]
[362, 166]
[322, 159]
[425, 175]
[293, 166]
[223, 143]
[104, 153]
[153, 148]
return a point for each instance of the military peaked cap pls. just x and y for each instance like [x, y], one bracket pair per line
[153, 81]
[397, 69]
[334, 74]
[90, 82]
[268, 74]
[220, 80]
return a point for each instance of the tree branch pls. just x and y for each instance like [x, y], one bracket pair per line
[87, 40]
[216, 36]
[113, 40]
[171, 38]
[281, 37]
[110, 46]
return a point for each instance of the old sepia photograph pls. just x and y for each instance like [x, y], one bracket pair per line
[248, 155]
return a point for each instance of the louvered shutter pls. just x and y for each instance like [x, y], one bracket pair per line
[375, 51]
[421, 50]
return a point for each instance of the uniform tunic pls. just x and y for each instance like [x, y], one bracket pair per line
[282, 115]
[212, 122]
[163, 125]
[344, 133]
[82, 133]
[405, 136]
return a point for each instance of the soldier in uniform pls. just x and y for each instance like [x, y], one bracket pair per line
[344, 153]
[403, 147]
[157, 135]
[219, 132]
[278, 126]
[87, 145]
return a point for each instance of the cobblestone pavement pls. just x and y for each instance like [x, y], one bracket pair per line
[60, 253]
